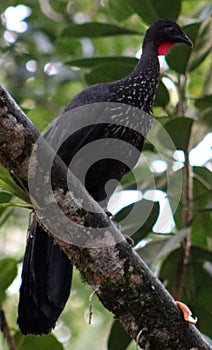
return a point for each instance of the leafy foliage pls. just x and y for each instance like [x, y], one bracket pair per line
[33, 342]
[119, 338]
[95, 29]
[198, 282]
[49, 57]
[8, 271]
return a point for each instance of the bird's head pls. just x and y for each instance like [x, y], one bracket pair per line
[165, 33]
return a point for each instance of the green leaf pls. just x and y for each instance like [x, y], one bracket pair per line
[65, 46]
[8, 184]
[202, 194]
[5, 206]
[178, 216]
[37, 343]
[162, 96]
[179, 129]
[202, 44]
[118, 339]
[181, 58]
[204, 102]
[8, 272]
[201, 128]
[108, 73]
[201, 229]
[119, 10]
[96, 61]
[197, 285]
[138, 219]
[95, 30]
[156, 250]
[202, 187]
[178, 57]
[152, 10]
[5, 197]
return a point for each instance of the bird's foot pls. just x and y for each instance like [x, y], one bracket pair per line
[111, 216]
[128, 239]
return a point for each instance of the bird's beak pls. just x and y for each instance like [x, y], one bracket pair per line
[187, 40]
[183, 39]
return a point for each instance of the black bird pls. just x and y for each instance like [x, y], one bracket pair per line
[47, 272]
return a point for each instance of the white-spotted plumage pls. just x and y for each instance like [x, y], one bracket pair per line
[47, 272]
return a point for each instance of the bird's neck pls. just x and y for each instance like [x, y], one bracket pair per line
[139, 88]
[148, 62]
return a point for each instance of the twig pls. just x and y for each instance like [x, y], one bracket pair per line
[186, 222]
[15, 204]
[6, 331]
[187, 197]
[91, 304]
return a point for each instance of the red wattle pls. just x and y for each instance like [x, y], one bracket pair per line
[164, 47]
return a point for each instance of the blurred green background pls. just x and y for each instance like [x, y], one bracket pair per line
[50, 51]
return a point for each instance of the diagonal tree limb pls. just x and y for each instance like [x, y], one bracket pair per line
[124, 283]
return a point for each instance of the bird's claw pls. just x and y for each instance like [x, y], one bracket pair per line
[187, 314]
[128, 239]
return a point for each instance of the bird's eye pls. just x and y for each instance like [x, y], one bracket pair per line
[171, 29]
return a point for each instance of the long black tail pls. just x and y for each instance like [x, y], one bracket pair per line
[46, 283]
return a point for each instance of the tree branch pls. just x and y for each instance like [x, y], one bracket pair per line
[123, 282]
